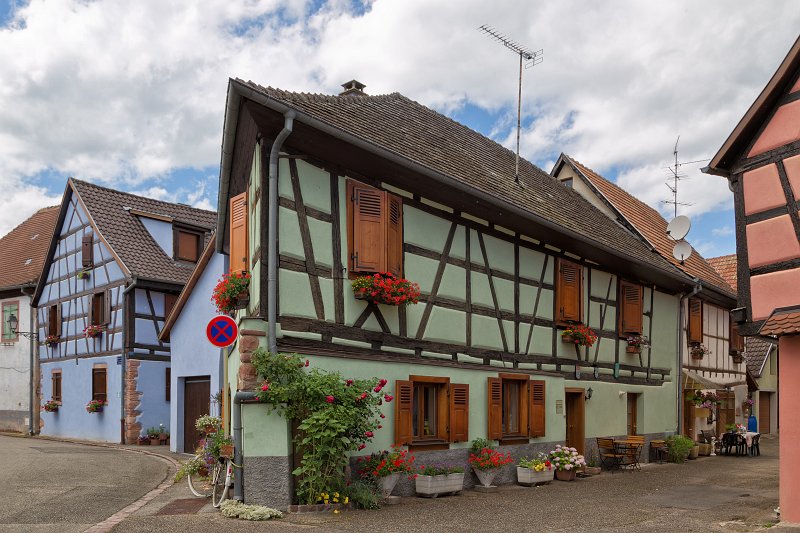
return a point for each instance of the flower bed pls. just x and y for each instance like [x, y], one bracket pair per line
[386, 288]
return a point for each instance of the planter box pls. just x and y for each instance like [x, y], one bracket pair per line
[530, 477]
[633, 349]
[432, 486]
[702, 412]
[568, 338]
[704, 449]
[154, 441]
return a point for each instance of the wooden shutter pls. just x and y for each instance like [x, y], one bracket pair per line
[168, 384]
[630, 305]
[495, 409]
[106, 307]
[568, 291]
[99, 384]
[54, 320]
[188, 246]
[403, 412]
[87, 251]
[537, 410]
[459, 412]
[394, 235]
[97, 309]
[56, 392]
[169, 303]
[367, 225]
[695, 329]
[238, 233]
[736, 340]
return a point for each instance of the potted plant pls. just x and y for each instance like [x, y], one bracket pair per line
[747, 406]
[385, 288]
[433, 480]
[536, 471]
[678, 448]
[699, 351]
[152, 433]
[567, 461]
[231, 292]
[208, 424]
[143, 440]
[93, 330]
[694, 451]
[636, 343]
[579, 335]
[82, 274]
[386, 467]
[51, 406]
[51, 340]
[95, 406]
[485, 461]
[591, 468]
[195, 465]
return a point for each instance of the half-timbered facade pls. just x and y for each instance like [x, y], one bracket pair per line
[115, 265]
[761, 160]
[360, 184]
[704, 312]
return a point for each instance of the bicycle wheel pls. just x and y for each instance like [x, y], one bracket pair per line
[201, 486]
[221, 483]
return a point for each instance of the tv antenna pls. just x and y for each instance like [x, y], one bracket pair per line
[528, 59]
[676, 176]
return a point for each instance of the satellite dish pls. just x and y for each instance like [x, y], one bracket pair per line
[679, 227]
[682, 251]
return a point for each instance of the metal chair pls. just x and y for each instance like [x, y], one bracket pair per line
[754, 448]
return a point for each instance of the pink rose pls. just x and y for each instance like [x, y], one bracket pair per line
[361, 446]
[330, 399]
[265, 387]
[388, 398]
[348, 382]
[369, 434]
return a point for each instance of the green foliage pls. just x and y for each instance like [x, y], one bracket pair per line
[237, 509]
[480, 444]
[335, 416]
[190, 467]
[365, 494]
[678, 448]
[153, 432]
[440, 470]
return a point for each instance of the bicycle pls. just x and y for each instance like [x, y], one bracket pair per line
[221, 486]
[203, 485]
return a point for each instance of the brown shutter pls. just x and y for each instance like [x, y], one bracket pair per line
[99, 384]
[495, 409]
[106, 307]
[367, 226]
[394, 235]
[537, 410]
[403, 412]
[568, 291]
[631, 297]
[56, 377]
[695, 330]
[459, 412]
[238, 235]
[97, 309]
[87, 251]
[168, 379]
[169, 303]
[58, 319]
[736, 340]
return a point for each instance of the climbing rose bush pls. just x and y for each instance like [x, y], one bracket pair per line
[386, 288]
[336, 416]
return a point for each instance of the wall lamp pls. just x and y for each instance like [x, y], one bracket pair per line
[13, 324]
[589, 393]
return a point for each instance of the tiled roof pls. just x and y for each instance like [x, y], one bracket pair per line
[128, 237]
[653, 227]
[24, 249]
[420, 135]
[726, 266]
[755, 352]
[781, 322]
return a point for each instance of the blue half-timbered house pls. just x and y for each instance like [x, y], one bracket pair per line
[113, 271]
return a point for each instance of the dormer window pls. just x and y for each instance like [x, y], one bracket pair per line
[188, 244]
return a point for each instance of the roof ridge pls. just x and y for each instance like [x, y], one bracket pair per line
[125, 193]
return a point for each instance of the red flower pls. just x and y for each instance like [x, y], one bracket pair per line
[383, 415]
[265, 387]
[330, 399]
[306, 362]
[383, 382]
[377, 388]
[380, 426]
[369, 434]
[361, 447]
[388, 398]
[348, 382]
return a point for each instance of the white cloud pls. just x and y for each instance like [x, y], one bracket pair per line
[121, 91]
[724, 231]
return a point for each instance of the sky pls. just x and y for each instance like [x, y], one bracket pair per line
[131, 95]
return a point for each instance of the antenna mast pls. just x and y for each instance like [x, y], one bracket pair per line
[530, 59]
[676, 176]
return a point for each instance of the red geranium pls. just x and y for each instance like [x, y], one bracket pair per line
[386, 288]
[228, 288]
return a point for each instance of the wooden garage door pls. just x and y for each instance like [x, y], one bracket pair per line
[763, 412]
[196, 402]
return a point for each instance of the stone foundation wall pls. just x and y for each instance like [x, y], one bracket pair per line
[132, 401]
[268, 481]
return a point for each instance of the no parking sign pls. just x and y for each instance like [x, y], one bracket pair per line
[222, 331]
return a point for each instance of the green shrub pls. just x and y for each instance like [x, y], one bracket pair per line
[479, 444]
[678, 448]
[364, 495]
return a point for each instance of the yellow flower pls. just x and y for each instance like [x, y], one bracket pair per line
[346, 500]
[326, 502]
[336, 511]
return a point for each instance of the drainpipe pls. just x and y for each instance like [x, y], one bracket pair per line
[32, 366]
[125, 294]
[697, 288]
[272, 233]
[236, 422]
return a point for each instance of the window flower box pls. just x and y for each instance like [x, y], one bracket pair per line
[83, 274]
[93, 331]
[385, 288]
[95, 406]
[231, 292]
[699, 351]
[51, 340]
[636, 343]
[432, 486]
[738, 358]
[51, 406]
[579, 335]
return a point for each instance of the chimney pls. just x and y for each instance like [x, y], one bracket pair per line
[353, 87]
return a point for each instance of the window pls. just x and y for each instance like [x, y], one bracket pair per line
[187, 245]
[99, 384]
[54, 320]
[87, 251]
[56, 379]
[633, 415]
[694, 331]
[569, 292]
[516, 407]
[631, 296]
[168, 382]
[10, 308]
[238, 233]
[567, 182]
[100, 309]
[431, 410]
[374, 230]
[736, 340]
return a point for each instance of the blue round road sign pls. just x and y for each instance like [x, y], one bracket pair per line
[222, 331]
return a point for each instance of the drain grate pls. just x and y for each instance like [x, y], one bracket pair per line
[183, 506]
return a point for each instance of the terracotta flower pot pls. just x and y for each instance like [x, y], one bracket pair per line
[566, 475]
[154, 441]
[633, 349]
[209, 429]
[226, 450]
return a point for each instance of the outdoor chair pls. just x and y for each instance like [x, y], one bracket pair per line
[632, 451]
[754, 448]
[707, 436]
[609, 458]
[659, 449]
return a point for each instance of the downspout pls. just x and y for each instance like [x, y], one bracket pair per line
[32, 366]
[697, 288]
[125, 332]
[272, 289]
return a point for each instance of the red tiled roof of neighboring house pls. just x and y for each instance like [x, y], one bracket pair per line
[781, 322]
[756, 350]
[726, 266]
[24, 249]
[652, 226]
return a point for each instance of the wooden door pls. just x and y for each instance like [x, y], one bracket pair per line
[688, 416]
[196, 403]
[633, 399]
[763, 412]
[726, 411]
[575, 410]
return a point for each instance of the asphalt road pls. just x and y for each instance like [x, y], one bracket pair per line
[61, 487]
[707, 494]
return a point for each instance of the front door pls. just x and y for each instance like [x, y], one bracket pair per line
[575, 409]
[196, 403]
[763, 412]
[633, 414]
[726, 410]
[688, 415]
